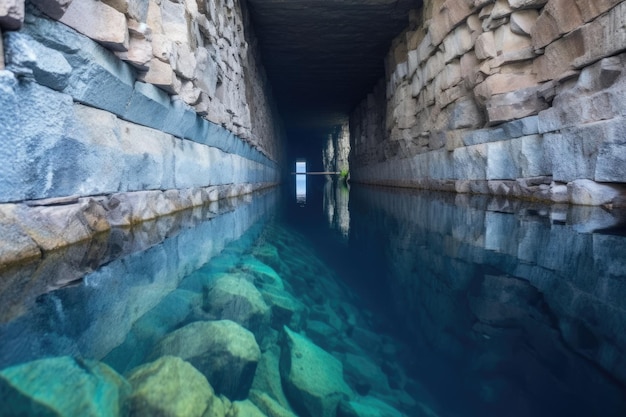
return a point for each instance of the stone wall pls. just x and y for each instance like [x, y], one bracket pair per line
[337, 149]
[506, 97]
[137, 107]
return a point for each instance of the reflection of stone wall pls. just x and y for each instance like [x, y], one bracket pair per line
[135, 269]
[480, 94]
[163, 100]
[487, 286]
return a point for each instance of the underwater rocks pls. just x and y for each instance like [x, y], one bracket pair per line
[234, 297]
[226, 353]
[170, 386]
[63, 386]
[312, 377]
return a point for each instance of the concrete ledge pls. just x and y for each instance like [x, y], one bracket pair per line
[33, 228]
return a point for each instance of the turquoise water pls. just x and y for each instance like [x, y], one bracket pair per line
[360, 302]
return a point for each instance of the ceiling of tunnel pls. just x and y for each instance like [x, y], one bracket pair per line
[323, 56]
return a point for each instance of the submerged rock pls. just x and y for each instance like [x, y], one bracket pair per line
[171, 387]
[363, 374]
[245, 409]
[367, 407]
[268, 405]
[268, 254]
[267, 377]
[285, 310]
[226, 353]
[62, 386]
[264, 275]
[312, 377]
[233, 297]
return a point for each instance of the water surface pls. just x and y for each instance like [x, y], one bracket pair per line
[435, 304]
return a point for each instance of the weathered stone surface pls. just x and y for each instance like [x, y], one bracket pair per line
[53, 8]
[11, 14]
[170, 386]
[234, 297]
[25, 56]
[514, 105]
[63, 386]
[16, 243]
[486, 46]
[523, 21]
[223, 351]
[268, 405]
[313, 379]
[98, 21]
[590, 193]
[527, 4]
[245, 409]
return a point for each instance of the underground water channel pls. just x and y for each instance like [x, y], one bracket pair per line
[336, 301]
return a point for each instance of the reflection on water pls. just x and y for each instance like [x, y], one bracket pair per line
[511, 308]
[336, 199]
[301, 189]
[399, 304]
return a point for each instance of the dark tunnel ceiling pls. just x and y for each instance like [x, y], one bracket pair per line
[323, 56]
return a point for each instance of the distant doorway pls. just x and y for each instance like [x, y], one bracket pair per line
[301, 181]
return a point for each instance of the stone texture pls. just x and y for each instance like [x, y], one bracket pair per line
[590, 193]
[170, 386]
[313, 379]
[223, 351]
[79, 387]
[11, 14]
[98, 21]
[523, 21]
[27, 57]
[234, 297]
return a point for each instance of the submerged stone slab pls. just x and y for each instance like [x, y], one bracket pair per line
[63, 386]
[313, 378]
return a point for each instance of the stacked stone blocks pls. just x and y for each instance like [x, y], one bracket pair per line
[499, 92]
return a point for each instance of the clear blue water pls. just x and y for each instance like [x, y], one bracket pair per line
[435, 304]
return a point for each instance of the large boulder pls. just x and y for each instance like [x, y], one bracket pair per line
[171, 387]
[268, 405]
[62, 386]
[234, 297]
[226, 353]
[245, 409]
[312, 377]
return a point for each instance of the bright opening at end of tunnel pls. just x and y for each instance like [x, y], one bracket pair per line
[301, 182]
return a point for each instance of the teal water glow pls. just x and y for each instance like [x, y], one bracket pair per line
[434, 304]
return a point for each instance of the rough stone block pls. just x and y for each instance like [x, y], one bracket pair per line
[501, 160]
[183, 60]
[514, 105]
[500, 9]
[139, 52]
[457, 43]
[485, 46]
[15, 244]
[611, 158]
[559, 56]
[603, 37]
[149, 158]
[589, 10]
[174, 21]
[147, 106]
[99, 22]
[161, 75]
[26, 56]
[523, 21]
[11, 14]
[508, 41]
[532, 160]
[53, 8]
[589, 193]
[504, 83]
[527, 4]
